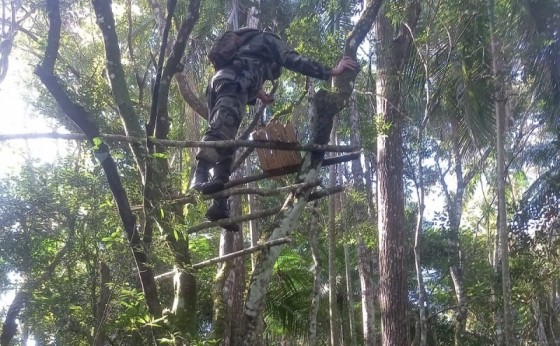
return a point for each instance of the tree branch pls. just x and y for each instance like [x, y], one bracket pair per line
[292, 169]
[234, 220]
[119, 86]
[231, 255]
[189, 95]
[188, 144]
[82, 119]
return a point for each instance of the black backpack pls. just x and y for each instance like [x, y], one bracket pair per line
[224, 48]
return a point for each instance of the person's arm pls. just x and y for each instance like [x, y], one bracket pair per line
[292, 60]
[345, 63]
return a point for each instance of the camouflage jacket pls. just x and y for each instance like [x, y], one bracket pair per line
[268, 53]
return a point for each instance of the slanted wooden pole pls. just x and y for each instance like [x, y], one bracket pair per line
[232, 255]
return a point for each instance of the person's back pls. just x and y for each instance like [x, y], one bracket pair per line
[271, 51]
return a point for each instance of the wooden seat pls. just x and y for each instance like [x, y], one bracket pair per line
[274, 159]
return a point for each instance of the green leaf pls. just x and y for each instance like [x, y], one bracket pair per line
[97, 141]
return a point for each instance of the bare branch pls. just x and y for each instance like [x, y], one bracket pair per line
[234, 220]
[291, 169]
[188, 144]
[231, 255]
[325, 192]
[189, 95]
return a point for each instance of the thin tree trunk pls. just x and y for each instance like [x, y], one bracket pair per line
[552, 323]
[334, 318]
[500, 99]
[316, 293]
[422, 296]
[313, 242]
[455, 205]
[366, 267]
[252, 21]
[494, 290]
[349, 297]
[101, 307]
[228, 290]
[253, 208]
[539, 325]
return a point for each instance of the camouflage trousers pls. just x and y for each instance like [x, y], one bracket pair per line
[227, 96]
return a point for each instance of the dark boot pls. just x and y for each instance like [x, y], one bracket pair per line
[201, 175]
[220, 210]
[222, 171]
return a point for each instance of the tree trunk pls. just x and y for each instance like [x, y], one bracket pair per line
[422, 326]
[316, 293]
[552, 327]
[101, 306]
[365, 270]
[500, 99]
[539, 325]
[456, 265]
[9, 328]
[392, 56]
[349, 298]
[230, 286]
[334, 318]
[328, 105]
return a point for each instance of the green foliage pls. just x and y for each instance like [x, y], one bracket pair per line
[45, 207]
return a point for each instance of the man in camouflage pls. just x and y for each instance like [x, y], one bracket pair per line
[233, 87]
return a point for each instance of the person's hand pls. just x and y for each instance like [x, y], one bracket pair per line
[345, 63]
[265, 98]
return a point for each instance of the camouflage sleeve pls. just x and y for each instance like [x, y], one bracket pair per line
[292, 60]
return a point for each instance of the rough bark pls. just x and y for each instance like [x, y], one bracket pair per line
[393, 54]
